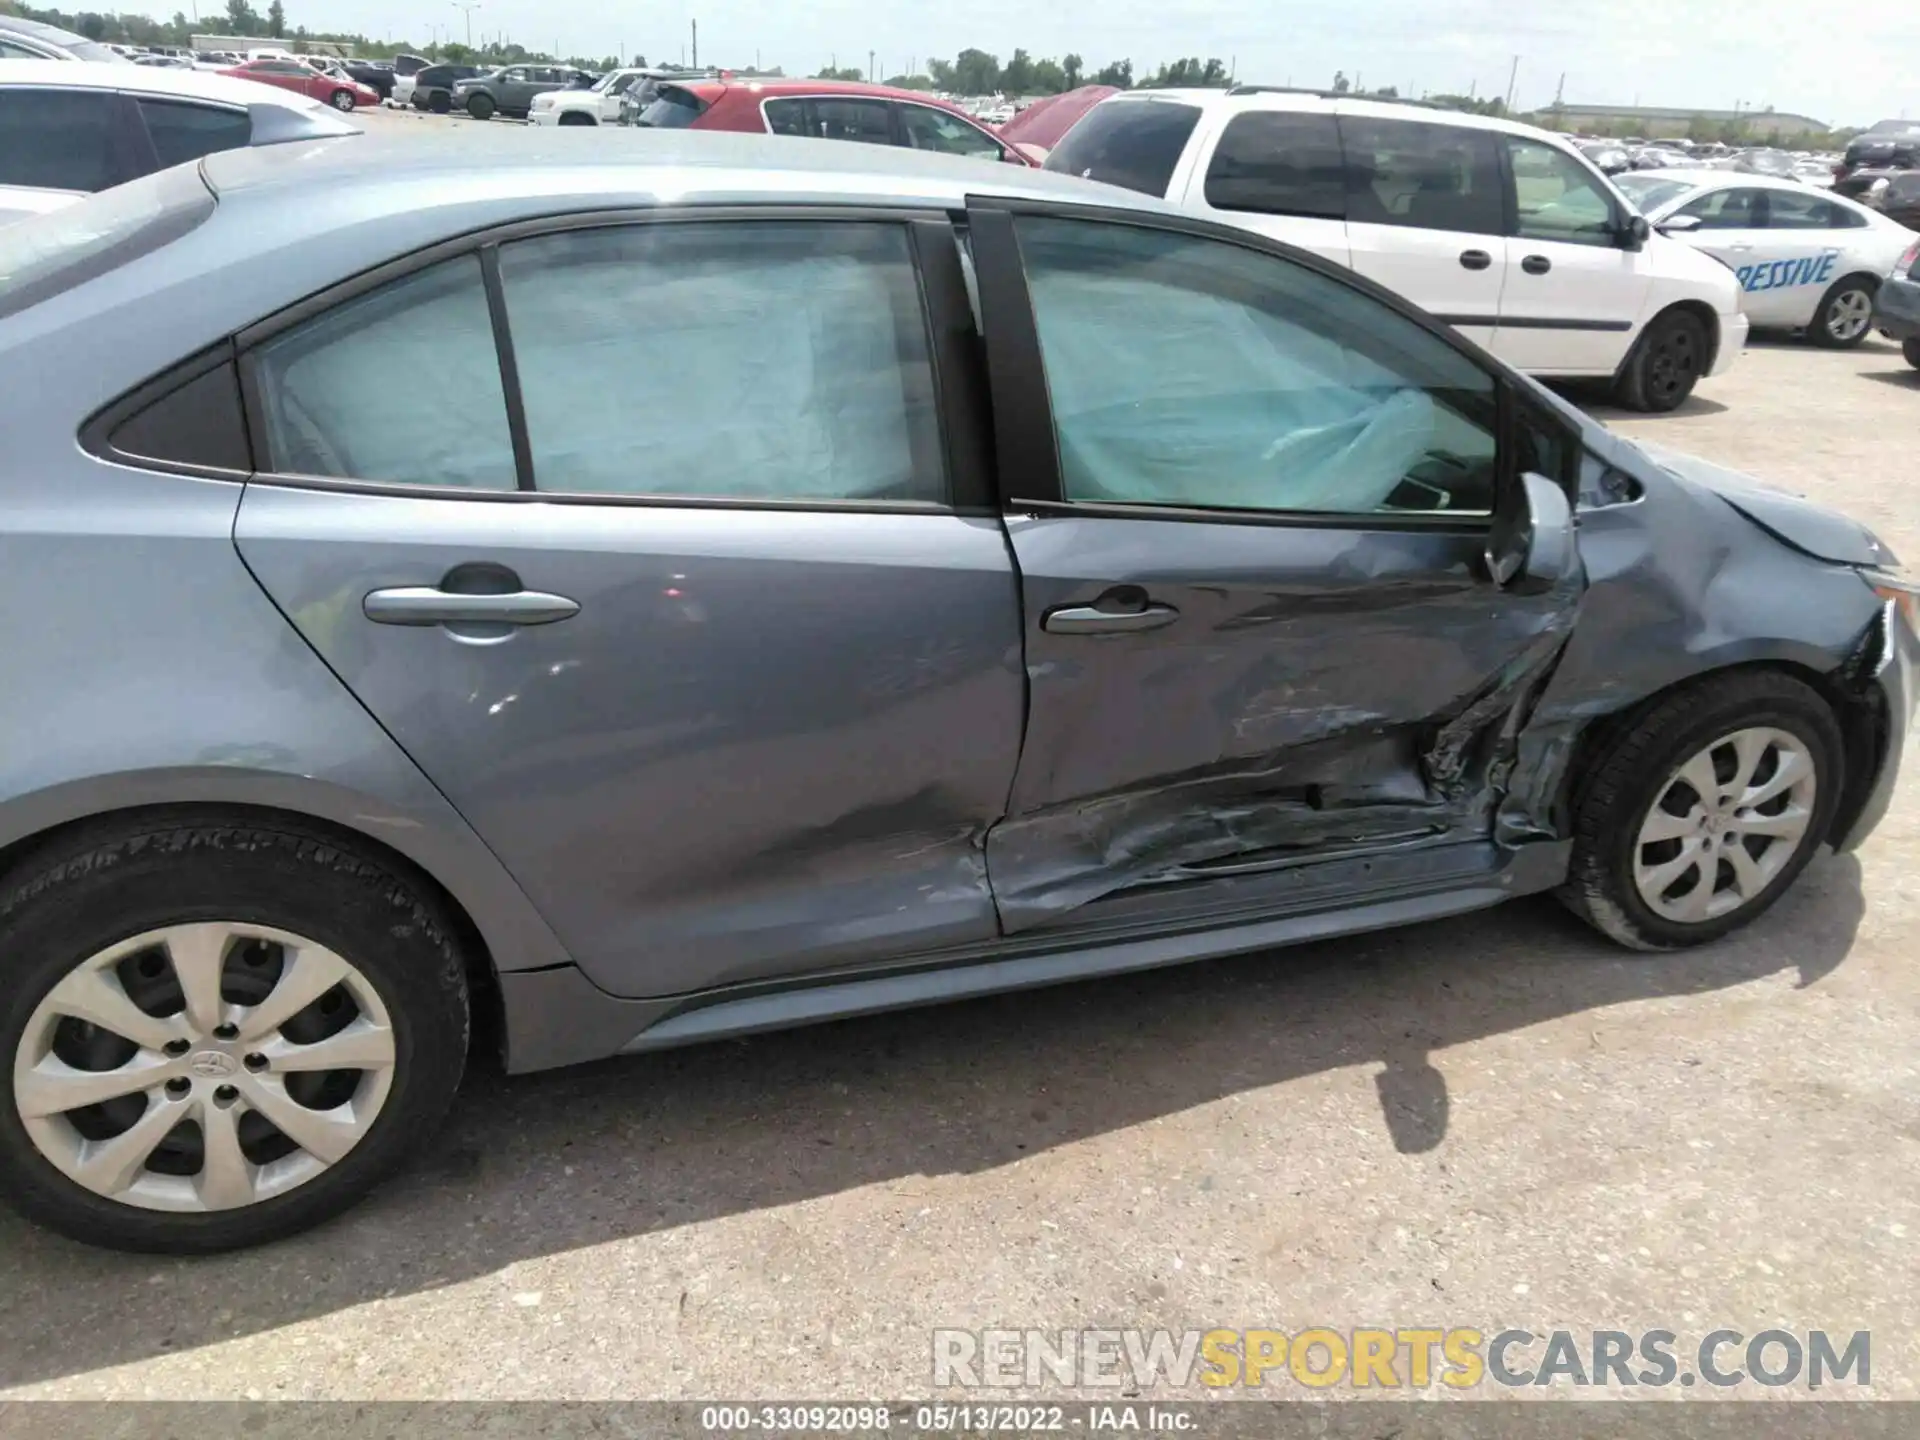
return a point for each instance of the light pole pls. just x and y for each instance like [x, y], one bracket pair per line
[468, 9]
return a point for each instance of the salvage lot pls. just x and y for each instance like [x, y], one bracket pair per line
[1495, 1121]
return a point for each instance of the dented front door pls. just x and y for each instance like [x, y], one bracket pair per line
[1258, 624]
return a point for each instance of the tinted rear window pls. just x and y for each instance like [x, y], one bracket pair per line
[47, 254]
[1278, 163]
[673, 109]
[1135, 143]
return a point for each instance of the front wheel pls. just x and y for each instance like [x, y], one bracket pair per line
[1697, 814]
[1911, 349]
[1666, 364]
[342, 99]
[480, 107]
[1845, 316]
[218, 1034]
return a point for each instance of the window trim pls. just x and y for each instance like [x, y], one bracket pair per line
[1618, 214]
[1027, 440]
[968, 492]
[97, 430]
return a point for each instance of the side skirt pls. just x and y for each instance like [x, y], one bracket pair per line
[558, 1017]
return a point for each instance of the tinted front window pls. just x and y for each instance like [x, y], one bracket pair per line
[866, 121]
[768, 360]
[57, 139]
[1134, 143]
[673, 109]
[1428, 177]
[1190, 372]
[401, 385]
[1279, 163]
[1729, 209]
[1559, 199]
[183, 132]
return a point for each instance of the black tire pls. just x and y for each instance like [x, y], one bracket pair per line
[1632, 766]
[1665, 365]
[1911, 349]
[341, 100]
[440, 103]
[481, 107]
[1851, 290]
[574, 117]
[114, 882]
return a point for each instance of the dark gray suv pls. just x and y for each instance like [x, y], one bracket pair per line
[510, 90]
[669, 588]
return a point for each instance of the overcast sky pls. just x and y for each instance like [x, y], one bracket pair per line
[1849, 63]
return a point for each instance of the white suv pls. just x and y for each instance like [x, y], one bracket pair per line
[1503, 231]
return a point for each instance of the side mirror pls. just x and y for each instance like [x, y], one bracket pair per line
[1533, 543]
[1680, 225]
[1634, 234]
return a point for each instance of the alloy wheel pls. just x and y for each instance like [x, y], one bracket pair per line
[1725, 825]
[1849, 316]
[204, 1066]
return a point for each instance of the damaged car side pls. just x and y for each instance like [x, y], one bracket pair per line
[967, 579]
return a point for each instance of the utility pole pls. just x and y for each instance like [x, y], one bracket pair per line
[468, 10]
[696, 44]
[1512, 79]
[869, 67]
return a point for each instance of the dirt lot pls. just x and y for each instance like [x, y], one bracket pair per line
[1496, 1121]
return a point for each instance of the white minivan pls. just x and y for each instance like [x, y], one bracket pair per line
[1504, 231]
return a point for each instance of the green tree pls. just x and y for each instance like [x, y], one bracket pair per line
[454, 53]
[1017, 78]
[1341, 85]
[1049, 77]
[242, 18]
[1071, 69]
[941, 73]
[845, 72]
[94, 27]
[277, 20]
[1119, 74]
[976, 73]
[910, 82]
[1191, 72]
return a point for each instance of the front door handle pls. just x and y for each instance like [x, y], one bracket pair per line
[1091, 620]
[430, 605]
[1536, 264]
[1475, 259]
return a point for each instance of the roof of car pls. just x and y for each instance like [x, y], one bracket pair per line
[765, 85]
[1325, 102]
[637, 165]
[20, 25]
[147, 80]
[1745, 179]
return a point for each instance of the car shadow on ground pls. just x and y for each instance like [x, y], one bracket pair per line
[1908, 379]
[540, 1165]
[1597, 401]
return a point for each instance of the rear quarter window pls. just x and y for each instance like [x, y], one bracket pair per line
[1131, 143]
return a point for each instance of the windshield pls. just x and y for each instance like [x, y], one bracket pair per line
[88, 50]
[44, 255]
[673, 109]
[1650, 192]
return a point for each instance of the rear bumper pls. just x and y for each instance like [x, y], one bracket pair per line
[1734, 329]
[1896, 308]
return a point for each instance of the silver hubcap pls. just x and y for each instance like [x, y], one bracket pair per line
[1725, 825]
[203, 1067]
[1850, 315]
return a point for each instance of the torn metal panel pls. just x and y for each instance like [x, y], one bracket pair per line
[1323, 690]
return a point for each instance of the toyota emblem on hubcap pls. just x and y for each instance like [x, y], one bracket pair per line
[212, 1065]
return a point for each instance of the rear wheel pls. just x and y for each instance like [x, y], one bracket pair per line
[215, 1035]
[1699, 812]
[1911, 349]
[1845, 316]
[440, 103]
[1666, 364]
[481, 107]
[341, 99]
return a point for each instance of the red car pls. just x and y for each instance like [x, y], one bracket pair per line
[826, 110]
[335, 87]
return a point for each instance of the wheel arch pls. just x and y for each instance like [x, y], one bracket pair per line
[496, 927]
[1860, 716]
[1698, 310]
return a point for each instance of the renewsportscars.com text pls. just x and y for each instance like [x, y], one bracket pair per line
[1459, 1358]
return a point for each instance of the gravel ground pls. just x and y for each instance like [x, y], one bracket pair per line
[1493, 1121]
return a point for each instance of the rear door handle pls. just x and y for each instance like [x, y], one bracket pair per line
[1475, 259]
[430, 605]
[1536, 264]
[1090, 620]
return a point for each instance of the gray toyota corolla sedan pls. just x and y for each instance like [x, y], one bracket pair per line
[692, 584]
